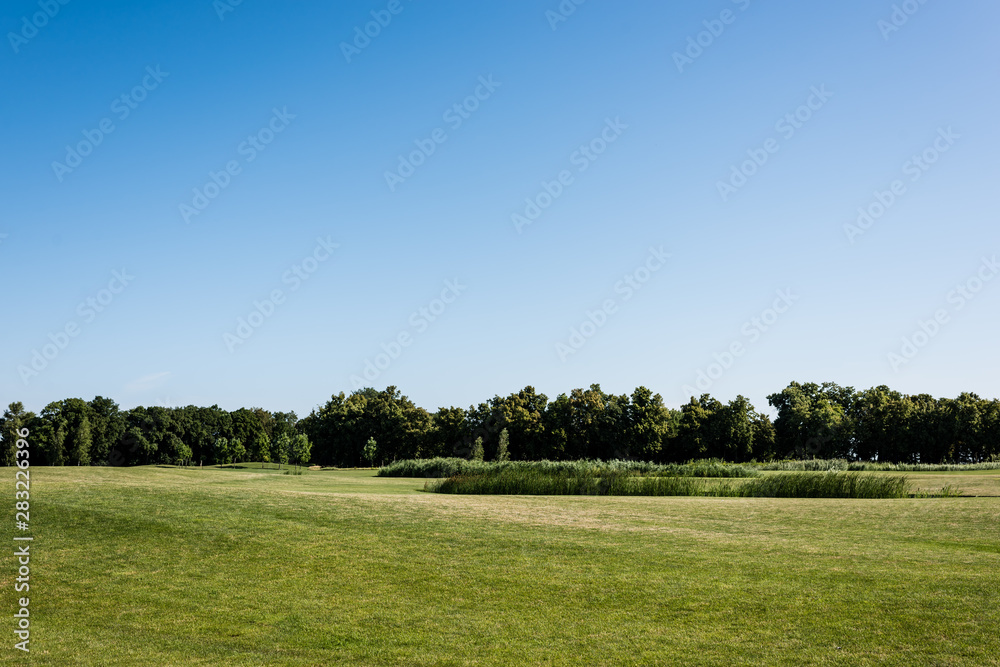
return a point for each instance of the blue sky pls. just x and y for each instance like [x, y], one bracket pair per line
[839, 104]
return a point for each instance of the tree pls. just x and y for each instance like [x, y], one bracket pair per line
[222, 452]
[587, 423]
[282, 449]
[502, 453]
[13, 420]
[132, 449]
[107, 424]
[477, 450]
[523, 415]
[250, 427]
[174, 451]
[880, 416]
[301, 449]
[371, 449]
[697, 430]
[260, 448]
[736, 430]
[763, 438]
[339, 429]
[814, 420]
[647, 425]
[447, 434]
[82, 440]
[238, 450]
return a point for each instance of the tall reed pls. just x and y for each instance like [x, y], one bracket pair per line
[874, 466]
[523, 481]
[448, 467]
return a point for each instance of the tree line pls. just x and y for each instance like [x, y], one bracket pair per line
[372, 426]
[98, 432]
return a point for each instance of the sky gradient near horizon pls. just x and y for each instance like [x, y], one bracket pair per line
[495, 195]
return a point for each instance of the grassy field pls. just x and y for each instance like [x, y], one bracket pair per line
[166, 566]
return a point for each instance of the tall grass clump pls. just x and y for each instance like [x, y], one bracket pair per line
[946, 491]
[820, 465]
[921, 467]
[528, 482]
[806, 465]
[825, 485]
[448, 467]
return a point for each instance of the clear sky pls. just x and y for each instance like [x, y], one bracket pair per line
[676, 170]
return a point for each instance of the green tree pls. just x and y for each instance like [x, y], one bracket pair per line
[880, 418]
[587, 423]
[238, 450]
[735, 426]
[502, 445]
[222, 451]
[82, 441]
[282, 449]
[250, 427]
[477, 450]
[814, 421]
[14, 419]
[133, 448]
[446, 436]
[371, 450]
[260, 448]
[339, 429]
[697, 429]
[301, 449]
[174, 450]
[107, 424]
[523, 415]
[647, 425]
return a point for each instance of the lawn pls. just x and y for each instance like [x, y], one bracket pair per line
[168, 566]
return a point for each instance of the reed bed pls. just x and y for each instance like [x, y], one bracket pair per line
[524, 481]
[449, 467]
[820, 465]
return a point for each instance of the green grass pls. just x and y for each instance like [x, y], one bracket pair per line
[164, 566]
[874, 466]
[597, 482]
[448, 467]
